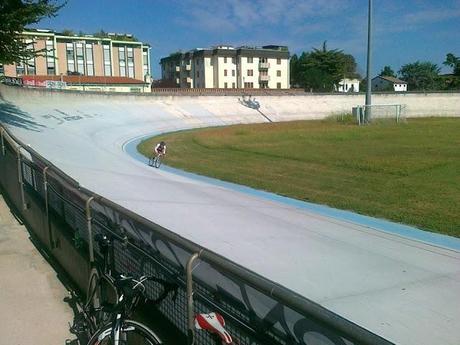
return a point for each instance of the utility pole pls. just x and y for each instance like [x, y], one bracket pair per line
[369, 81]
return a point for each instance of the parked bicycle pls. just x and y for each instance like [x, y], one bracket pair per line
[104, 318]
[111, 301]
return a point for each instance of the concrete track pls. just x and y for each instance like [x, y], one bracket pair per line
[397, 287]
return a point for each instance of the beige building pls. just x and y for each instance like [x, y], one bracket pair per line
[87, 55]
[227, 67]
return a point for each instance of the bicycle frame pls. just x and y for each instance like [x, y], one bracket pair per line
[129, 292]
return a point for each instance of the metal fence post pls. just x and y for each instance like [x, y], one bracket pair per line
[21, 182]
[90, 230]
[3, 143]
[190, 308]
[47, 214]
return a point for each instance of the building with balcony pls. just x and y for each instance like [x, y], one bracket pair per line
[111, 56]
[228, 68]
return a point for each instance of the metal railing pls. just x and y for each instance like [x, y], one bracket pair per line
[65, 217]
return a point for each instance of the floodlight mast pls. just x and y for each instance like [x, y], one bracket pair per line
[368, 72]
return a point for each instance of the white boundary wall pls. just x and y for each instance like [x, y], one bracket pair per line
[229, 109]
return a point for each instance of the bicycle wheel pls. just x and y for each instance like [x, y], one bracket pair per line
[132, 333]
[94, 300]
[151, 160]
[157, 161]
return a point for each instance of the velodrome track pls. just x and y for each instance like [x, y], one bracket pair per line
[403, 288]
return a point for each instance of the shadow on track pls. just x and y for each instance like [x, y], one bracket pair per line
[11, 115]
[253, 104]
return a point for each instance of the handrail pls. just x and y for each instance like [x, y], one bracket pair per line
[282, 294]
[190, 307]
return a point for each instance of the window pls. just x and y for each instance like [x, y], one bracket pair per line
[107, 62]
[145, 62]
[278, 85]
[248, 85]
[233, 72]
[80, 58]
[130, 62]
[122, 60]
[249, 59]
[122, 53]
[50, 62]
[225, 59]
[225, 72]
[70, 58]
[2, 70]
[233, 60]
[225, 85]
[278, 73]
[233, 85]
[197, 74]
[89, 59]
[250, 72]
[278, 61]
[30, 63]
[20, 69]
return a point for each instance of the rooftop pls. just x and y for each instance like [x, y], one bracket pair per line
[228, 49]
[391, 79]
[125, 37]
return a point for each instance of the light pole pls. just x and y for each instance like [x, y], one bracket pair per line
[369, 82]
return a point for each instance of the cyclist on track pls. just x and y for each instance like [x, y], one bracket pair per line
[160, 149]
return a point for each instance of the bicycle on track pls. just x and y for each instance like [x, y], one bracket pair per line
[155, 160]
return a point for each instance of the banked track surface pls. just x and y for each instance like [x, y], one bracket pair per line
[397, 287]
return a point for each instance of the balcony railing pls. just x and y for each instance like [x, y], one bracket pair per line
[264, 77]
[264, 65]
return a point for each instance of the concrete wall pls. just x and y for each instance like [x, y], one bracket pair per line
[40, 61]
[61, 58]
[231, 109]
[283, 67]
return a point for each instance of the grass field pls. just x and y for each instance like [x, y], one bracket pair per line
[408, 173]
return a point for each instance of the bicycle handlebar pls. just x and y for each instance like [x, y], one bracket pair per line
[168, 287]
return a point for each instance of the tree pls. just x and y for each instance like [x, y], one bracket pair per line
[68, 32]
[15, 15]
[294, 71]
[421, 75]
[387, 71]
[454, 62]
[322, 69]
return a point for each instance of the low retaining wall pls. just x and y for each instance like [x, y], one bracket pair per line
[229, 108]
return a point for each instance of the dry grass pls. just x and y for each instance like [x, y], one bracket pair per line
[408, 173]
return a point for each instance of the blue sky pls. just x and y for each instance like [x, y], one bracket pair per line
[404, 31]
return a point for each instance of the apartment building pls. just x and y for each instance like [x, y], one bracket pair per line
[111, 55]
[227, 67]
